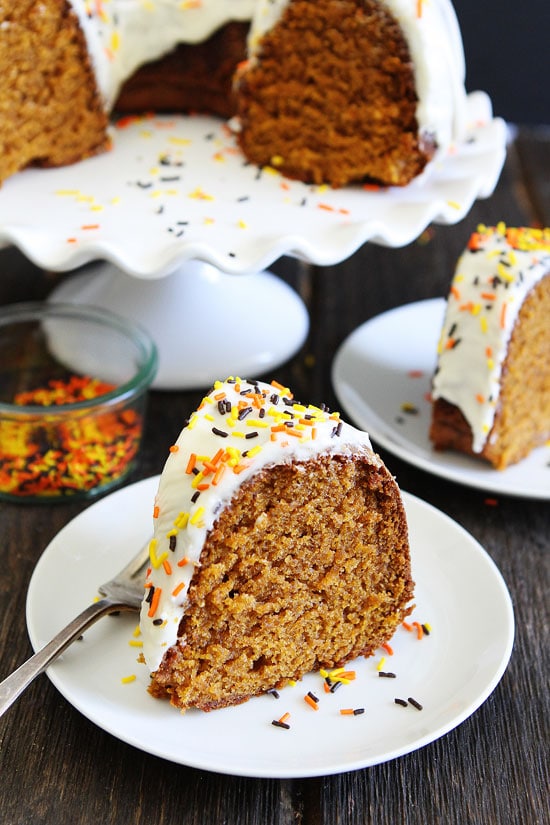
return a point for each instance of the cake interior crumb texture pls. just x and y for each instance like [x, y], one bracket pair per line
[332, 97]
[307, 567]
[50, 113]
[522, 419]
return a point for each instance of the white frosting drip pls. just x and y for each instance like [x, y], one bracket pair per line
[435, 45]
[254, 440]
[123, 34]
[491, 281]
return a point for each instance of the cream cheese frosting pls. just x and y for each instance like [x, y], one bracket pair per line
[240, 428]
[123, 34]
[493, 276]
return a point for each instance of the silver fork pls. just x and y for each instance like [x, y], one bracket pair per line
[122, 593]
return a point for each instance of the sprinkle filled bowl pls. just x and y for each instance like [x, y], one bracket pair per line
[73, 390]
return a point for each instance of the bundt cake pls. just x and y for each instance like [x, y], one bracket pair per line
[491, 388]
[280, 546]
[326, 91]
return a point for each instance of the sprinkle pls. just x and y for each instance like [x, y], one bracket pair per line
[274, 693]
[386, 674]
[312, 701]
[154, 602]
[219, 432]
[401, 702]
[178, 588]
[126, 680]
[419, 630]
[197, 516]
[388, 649]
[279, 724]
[191, 463]
[414, 703]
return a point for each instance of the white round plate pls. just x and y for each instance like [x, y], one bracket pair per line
[176, 188]
[450, 672]
[382, 376]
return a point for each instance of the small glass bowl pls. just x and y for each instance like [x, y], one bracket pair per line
[73, 387]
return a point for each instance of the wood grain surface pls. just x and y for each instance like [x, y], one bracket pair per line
[57, 767]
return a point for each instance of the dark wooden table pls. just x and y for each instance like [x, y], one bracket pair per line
[57, 767]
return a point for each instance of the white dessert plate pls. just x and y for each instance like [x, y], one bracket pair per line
[174, 189]
[382, 377]
[450, 672]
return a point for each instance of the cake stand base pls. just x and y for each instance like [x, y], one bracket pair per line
[207, 325]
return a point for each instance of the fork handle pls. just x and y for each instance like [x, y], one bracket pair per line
[15, 684]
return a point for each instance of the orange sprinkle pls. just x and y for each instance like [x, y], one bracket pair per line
[71, 240]
[238, 468]
[191, 463]
[346, 711]
[455, 293]
[167, 567]
[388, 648]
[284, 717]
[218, 474]
[450, 343]
[419, 630]
[407, 626]
[326, 687]
[480, 398]
[90, 226]
[154, 602]
[218, 457]
[182, 562]
[503, 316]
[415, 373]
[280, 387]
[174, 448]
[488, 352]
[156, 511]
[178, 589]
[419, 8]
[326, 207]
[488, 296]
[204, 486]
[311, 702]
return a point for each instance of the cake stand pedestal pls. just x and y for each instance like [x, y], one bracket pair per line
[206, 324]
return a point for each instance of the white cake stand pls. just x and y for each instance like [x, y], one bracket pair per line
[183, 231]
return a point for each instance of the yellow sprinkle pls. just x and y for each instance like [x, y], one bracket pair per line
[127, 679]
[137, 630]
[180, 522]
[242, 224]
[453, 204]
[209, 417]
[197, 515]
[135, 643]
[156, 561]
[254, 451]
[483, 323]
[381, 663]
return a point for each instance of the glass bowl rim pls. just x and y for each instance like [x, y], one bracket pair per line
[140, 381]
